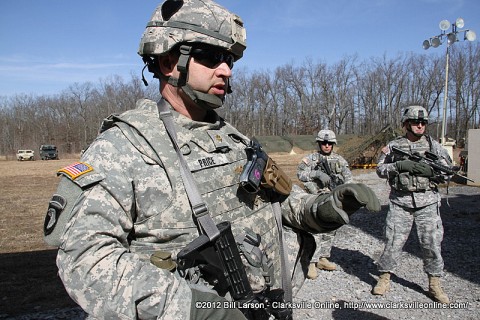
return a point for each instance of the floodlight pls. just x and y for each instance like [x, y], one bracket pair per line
[426, 44]
[444, 25]
[470, 35]
[435, 42]
[451, 38]
[460, 23]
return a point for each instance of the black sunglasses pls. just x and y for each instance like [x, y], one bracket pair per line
[324, 143]
[417, 122]
[211, 58]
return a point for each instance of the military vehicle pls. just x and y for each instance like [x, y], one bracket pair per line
[48, 152]
[25, 155]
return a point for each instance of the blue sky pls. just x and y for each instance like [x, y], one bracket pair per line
[45, 46]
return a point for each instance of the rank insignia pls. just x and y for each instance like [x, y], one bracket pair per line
[76, 169]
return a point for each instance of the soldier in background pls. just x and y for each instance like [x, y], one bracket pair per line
[320, 173]
[414, 197]
[159, 175]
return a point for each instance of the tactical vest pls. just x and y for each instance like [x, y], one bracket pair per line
[215, 158]
[404, 181]
[314, 187]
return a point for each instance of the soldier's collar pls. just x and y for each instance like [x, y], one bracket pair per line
[216, 121]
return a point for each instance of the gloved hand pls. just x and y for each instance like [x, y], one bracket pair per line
[405, 165]
[208, 305]
[332, 210]
[322, 177]
[352, 196]
[422, 170]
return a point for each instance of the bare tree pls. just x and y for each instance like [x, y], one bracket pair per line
[350, 96]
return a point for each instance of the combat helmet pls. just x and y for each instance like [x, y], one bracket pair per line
[184, 24]
[326, 135]
[415, 113]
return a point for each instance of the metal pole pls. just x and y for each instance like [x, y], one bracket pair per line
[445, 97]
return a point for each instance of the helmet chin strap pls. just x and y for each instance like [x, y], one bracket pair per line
[205, 101]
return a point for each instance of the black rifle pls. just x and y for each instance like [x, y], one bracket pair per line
[323, 165]
[220, 264]
[432, 160]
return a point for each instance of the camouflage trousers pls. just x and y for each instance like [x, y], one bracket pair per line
[324, 243]
[429, 227]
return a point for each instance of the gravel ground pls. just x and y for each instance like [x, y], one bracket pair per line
[346, 292]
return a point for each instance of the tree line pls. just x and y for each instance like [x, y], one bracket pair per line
[351, 96]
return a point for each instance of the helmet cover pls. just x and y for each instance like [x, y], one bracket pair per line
[192, 21]
[326, 135]
[415, 113]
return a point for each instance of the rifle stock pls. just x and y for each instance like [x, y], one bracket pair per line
[220, 263]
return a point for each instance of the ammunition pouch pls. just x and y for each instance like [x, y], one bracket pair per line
[258, 266]
[404, 181]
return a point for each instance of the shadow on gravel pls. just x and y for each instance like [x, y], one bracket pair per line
[347, 312]
[461, 241]
[29, 283]
[350, 260]
[355, 263]
[407, 284]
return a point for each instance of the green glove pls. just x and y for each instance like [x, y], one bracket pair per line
[208, 305]
[405, 165]
[422, 170]
[332, 210]
[322, 177]
[352, 196]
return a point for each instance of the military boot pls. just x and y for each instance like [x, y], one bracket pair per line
[312, 271]
[436, 291]
[325, 264]
[383, 284]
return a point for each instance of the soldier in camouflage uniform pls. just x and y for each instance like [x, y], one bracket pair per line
[414, 197]
[122, 214]
[317, 181]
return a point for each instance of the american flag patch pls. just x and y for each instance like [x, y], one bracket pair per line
[76, 169]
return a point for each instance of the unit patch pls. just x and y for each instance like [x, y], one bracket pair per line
[55, 208]
[76, 169]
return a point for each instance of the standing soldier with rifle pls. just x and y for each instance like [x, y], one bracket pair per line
[320, 173]
[172, 213]
[414, 197]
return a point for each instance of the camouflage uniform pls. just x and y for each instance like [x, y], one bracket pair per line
[339, 168]
[121, 215]
[132, 204]
[412, 198]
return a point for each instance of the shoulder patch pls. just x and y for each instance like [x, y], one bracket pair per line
[75, 170]
[55, 208]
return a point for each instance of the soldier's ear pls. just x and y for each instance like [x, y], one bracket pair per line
[167, 64]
